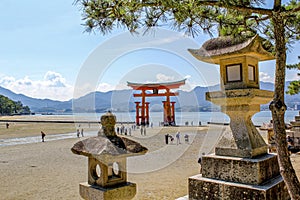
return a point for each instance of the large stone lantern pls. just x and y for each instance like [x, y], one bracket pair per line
[107, 155]
[242, 97]
[241, 167]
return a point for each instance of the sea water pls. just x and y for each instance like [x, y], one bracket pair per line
[192, 118]
[182, 118]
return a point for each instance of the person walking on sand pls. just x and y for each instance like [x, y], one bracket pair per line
[186, 138]
[82, 132]
[200, 161]
[178, 138]
[129, 131]
[78, 133]
[43, 136]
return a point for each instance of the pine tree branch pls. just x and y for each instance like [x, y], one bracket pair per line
[291, 11]
[242, 8]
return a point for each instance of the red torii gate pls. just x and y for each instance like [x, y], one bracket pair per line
[142, 111]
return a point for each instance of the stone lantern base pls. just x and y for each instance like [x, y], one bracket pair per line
[225, 178]
[124, 191]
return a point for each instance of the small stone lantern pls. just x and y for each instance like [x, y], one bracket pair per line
[241, 167]
[107, 155]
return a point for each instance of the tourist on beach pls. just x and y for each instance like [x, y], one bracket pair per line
[43, 136]
[178, 138]
[172, 139]
[7, 125]
[82, 132]
[129, 131]
[167, 138]
[122, 129]
[290, 142]
[143, 130]
[118, 130]
[78, 133]
[200, 161]
[186, 138]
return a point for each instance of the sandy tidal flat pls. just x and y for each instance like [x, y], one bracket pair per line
[50, 170]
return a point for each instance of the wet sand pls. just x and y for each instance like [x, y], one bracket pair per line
[50, 170]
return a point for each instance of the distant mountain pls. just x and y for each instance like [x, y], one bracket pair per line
[33, 103]
[123, 100]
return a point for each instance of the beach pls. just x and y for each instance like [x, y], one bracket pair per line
[49, 170]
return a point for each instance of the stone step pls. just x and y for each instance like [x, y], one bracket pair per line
[212, 189]
[253, 171]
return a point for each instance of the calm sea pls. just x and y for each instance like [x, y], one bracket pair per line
[193, 118]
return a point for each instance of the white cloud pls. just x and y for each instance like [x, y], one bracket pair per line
[164, 78]
[105, 87]
[187, 76]
[188, 86]
[291, 76]
[52, 86]
[265, 77]
[54, 79]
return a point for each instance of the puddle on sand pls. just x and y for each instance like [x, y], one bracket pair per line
[36, 139]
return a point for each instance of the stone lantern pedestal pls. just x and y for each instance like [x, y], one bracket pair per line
[240, 105]
[107, 179]
[241, 167]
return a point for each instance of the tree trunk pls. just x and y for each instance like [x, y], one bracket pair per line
[278, 108]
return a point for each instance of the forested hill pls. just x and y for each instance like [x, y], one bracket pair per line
[10, 107]
[123, 101]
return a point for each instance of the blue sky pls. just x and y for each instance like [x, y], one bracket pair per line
[44, 53]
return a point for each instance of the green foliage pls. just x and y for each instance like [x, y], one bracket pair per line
[10, 107]
[184, 15]
[294, 87]
[230, 17]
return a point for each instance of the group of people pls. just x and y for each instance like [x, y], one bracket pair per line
[79, 133]
[177, 136]
[125, 130]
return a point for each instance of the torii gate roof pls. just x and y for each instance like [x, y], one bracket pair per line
[151, 86]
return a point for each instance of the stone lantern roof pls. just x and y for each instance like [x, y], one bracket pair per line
[104, 148]
[108, 145]
[219, 48]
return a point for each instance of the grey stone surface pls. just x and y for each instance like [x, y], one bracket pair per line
[240, 105]
[243, 170]
[212, 189]
[123, 192]
[213, 50]
[108, 122]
